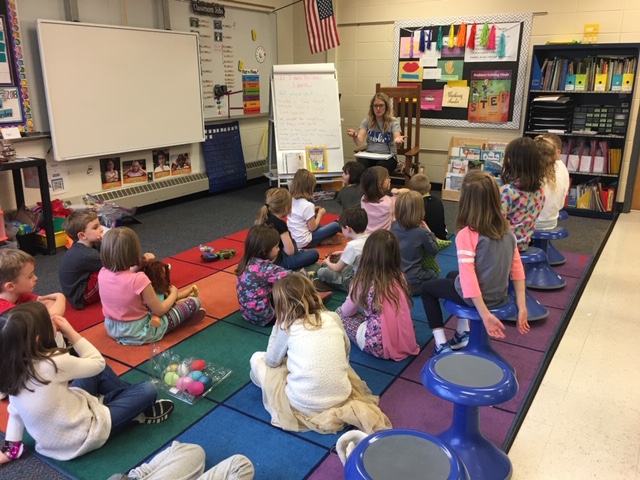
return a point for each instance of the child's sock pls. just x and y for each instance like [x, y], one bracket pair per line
[439, 336]
[463, 325]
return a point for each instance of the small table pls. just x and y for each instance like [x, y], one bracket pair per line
[41, 165]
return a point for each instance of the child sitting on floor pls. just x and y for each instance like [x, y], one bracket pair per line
[257, 273]
[375, 183]
[304, 219]
[350, 195]
[274, 213]
[338, 268]
[433, 208]
[305, 376]
[128, 296]
[415, 239]
[376, 314]
[80, 264]
[65, 421]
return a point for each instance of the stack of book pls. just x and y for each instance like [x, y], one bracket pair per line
[592, 195]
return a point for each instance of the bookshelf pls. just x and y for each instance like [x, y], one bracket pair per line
[584, 94]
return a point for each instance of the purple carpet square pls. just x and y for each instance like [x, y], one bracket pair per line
[559, 298]
[575, 265]
[411, 405]
[331, 467]
[540, 335]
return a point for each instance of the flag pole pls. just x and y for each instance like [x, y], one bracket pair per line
[285, 6]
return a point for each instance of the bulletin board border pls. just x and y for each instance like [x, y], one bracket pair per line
[525, 19]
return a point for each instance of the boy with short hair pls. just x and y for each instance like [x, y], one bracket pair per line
[17, 281]
[350, 195]
[80, 265]
[433, 208]
[338, 268]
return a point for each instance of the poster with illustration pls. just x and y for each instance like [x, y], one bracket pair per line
[110, 172]
[180, 164]
[489, 96]
[134, 171]
[161, 167]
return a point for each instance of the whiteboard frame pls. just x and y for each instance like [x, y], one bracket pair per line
[335, 156]
[88, 119]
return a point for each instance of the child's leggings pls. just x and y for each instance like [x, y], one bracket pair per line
[433, 291]
[182, 311]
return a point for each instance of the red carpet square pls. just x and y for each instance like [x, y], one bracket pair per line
[241, 236]
[193, 255]
[83, 319]
[184, 274]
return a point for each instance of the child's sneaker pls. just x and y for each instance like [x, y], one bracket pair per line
[438, 349]
[459, 340]
[159, 411]
[322, 286]
[325, 296]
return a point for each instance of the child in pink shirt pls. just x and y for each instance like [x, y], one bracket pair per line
[375, 183]
[487, 257]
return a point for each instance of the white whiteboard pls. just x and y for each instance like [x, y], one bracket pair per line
[242, 38]
[306, 111]
[114, 89]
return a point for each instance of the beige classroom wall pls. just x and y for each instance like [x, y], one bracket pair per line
[365, 55]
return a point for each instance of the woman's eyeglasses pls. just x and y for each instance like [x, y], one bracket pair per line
[379, 105]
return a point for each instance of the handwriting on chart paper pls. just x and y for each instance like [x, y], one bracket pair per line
[306, 111]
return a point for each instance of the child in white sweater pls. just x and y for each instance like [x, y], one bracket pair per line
[65, 421]
[305, 375]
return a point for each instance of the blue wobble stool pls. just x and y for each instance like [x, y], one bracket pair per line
[404, 454]
[562, 215]
[479, 340]
[539, 274]
[542, 240]
[535, 310]
[471, 381]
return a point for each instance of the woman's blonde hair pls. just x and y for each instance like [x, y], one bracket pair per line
[302, 184]
[409, 210]
[373, 121]
[480, 207]
[120, 249]
[380, 268]
[296, 299]
[278, 202]
[371, 183]
[548, 158]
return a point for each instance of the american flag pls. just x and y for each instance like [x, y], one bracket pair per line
[321, 25]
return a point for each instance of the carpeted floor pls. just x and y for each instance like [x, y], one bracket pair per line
[231, 419]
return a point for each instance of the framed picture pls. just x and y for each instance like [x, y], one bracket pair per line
[317, 159]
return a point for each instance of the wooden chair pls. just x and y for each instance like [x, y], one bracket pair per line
[406, 108]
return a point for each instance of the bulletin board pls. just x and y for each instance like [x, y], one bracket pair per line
[494, 75]
[238, 49]
[15, 107]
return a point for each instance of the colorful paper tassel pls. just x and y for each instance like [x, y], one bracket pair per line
[484, 36]
[439, 41]
[491, 42]
[471, 44]
[429, 35]
[461, 37]
[502, 46]
[421, 46]
[452, 39]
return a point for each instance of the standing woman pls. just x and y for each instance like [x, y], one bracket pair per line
[380, 132]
